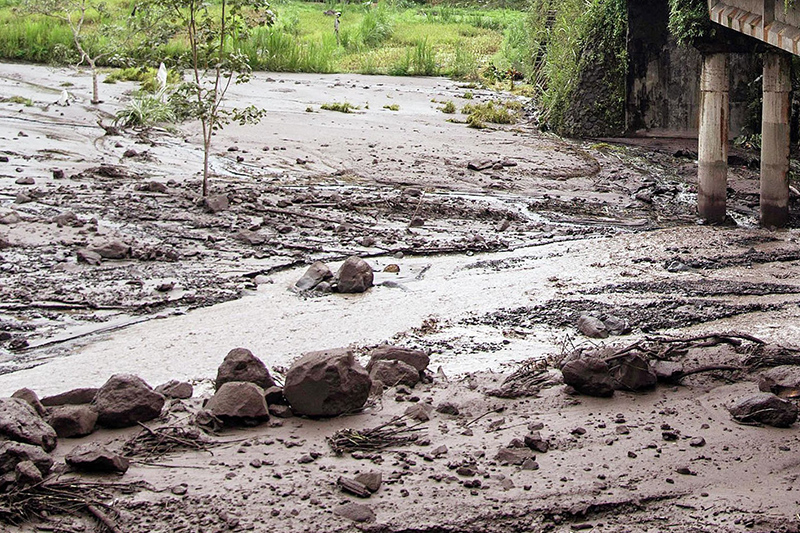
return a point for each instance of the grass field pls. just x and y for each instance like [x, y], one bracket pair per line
[384, 38]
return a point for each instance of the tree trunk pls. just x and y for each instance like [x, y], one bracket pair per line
[206, 150]
[95, 87]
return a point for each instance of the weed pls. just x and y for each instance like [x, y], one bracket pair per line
[309, 109]
[467, 95]
[449, 108]
[423, 59]
[392, 107]
[27, 102]
[145, 110]
[493, 112]
[145, 76]
[341, 107]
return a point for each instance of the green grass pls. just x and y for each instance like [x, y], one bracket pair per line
[390, 37]
[27, 102]
[341, 107]
[495, 112]
[392, 107]
[448, 107]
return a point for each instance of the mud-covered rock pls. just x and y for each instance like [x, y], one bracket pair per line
[420, 412]
[112, 250]
[241, 365]
[416, 358]
[392, 373]
[448, 408]
[783, 381]
[71, 397]
[13, 453]
[216, 203]
[355, 275]
[178, 390]
[126, 399]
[327, 383]
[316, 273]
[588, 374]
[513, 456]
[26, 474]
[94, 458]
[33, 400]
[356, 512]
[73, 420]
[592, 327]
[765, 408]
[632, 372]
[20, 422]
[239, 402]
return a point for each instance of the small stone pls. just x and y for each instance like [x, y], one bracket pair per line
[697, 442]
[179, 390]
[392, 269]
[592, 327]
[671, 435]
[447, 408]
[25, 180]
[578, 431]
[685, 471]
[371, 480]
[216, 203]
[179, 490]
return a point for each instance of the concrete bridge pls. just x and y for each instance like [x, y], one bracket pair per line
[773, 23]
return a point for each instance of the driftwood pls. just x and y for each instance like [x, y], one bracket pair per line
[384, 436]
[527, 380]
[152, 444]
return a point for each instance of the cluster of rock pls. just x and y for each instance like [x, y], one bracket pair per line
[30, 428]
[354, 276]
[602, 370]
[319, 384]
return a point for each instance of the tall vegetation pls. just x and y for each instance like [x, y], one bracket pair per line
[215, 60]
[110, 35]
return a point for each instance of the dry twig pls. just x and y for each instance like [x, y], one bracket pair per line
[378, 438]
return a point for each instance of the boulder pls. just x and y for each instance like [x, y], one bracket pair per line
[316, 273]
[73, 420]
[513, 456]
[13, 453]
[592, 327]
[588, 374]
[535, 442]
[241, 365]
[765, 408]
[280, 411]
[448, 408]
[88, 256]
[72, 397]
[393, 373]
[783, 381]
[20, 422]
[94, 458]
[179, 390]
[327, 383]
[126, 399]
[216, 203]
[239, 402]
[356, 512]
[112, 250]
[274, 396]
[33, 400]
[26, 474]
[667, 371]
[355, 275]
[416, 358]
[632, 372]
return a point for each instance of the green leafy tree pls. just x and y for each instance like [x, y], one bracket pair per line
[213, 32]
[96, 33]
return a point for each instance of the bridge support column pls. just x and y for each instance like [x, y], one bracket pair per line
[712, 150]
[775, 140]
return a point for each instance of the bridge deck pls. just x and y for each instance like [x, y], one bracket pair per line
[767, 21]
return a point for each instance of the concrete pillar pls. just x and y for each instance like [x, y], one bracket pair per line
[712, 150]
[775, 140]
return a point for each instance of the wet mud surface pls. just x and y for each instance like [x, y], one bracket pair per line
[495, 267]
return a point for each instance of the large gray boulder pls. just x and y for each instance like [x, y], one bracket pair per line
[71, 397]
[765, 408]
[416, 358]
[589, 374]
[239, 402]
[72, 420]
[95, 458]
[392, 373]
[355, 275]
[13, 453]
[29, 396]
[316, 273]
[126, 399]
[327, 383]
[20, 422]
[241, 365]
[632, 372]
